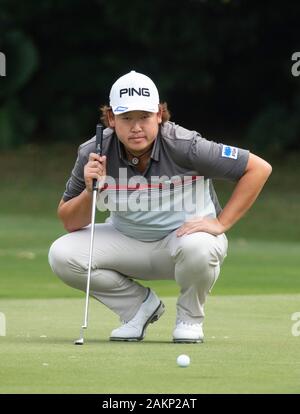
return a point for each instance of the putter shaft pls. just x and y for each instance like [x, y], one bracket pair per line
[85, 322]
[80, 341]
[99, 138]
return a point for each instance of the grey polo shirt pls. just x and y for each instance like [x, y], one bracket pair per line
[176, 185]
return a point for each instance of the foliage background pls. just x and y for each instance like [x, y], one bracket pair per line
[224, 67]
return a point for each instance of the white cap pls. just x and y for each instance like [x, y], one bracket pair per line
[133, 92]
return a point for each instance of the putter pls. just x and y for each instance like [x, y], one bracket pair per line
[99, 138]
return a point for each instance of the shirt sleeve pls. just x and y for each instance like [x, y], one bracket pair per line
[75, 184]
[217, 160]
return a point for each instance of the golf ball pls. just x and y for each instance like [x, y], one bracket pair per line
[183, 360]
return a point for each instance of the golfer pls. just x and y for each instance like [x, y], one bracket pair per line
[156, 179]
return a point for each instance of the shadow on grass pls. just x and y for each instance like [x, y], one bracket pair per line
[87, 341]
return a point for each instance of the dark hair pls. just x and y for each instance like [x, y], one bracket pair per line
[105, 109]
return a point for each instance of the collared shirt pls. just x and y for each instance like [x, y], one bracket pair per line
[176, 185]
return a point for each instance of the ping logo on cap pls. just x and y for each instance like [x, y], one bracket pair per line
[133, 91]
[229, 152]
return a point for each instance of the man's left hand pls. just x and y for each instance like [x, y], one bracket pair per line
[203, 224]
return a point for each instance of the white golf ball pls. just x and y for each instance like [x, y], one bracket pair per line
[183, 360]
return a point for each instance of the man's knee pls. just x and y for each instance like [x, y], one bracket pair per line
[196, 250]
[71, 266]
[59, 256]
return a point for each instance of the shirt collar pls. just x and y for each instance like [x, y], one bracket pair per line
[154, 153]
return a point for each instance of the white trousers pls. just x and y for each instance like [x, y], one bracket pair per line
[193, 261]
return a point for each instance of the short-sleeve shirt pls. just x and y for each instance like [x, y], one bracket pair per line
[176, 185]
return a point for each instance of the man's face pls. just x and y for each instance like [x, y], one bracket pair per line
[136, 129]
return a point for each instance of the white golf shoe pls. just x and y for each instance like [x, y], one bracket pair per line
[186, 332]
[134, 330]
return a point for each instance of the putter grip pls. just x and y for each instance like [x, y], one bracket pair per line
[99, 139]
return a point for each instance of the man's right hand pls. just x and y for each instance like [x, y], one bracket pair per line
[95, 168]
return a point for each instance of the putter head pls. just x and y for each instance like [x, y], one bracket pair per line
[79, 341]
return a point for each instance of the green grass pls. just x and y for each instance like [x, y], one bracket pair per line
[249, 348]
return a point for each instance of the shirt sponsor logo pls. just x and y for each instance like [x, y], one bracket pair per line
[229, 152]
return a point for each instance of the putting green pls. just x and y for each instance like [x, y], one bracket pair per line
[249, 348]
